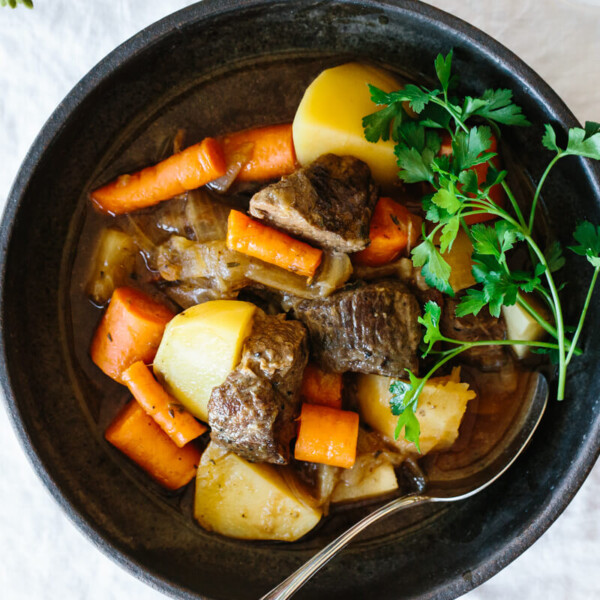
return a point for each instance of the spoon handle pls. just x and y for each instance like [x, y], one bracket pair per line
[297, 579]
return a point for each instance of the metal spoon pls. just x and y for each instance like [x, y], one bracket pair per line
[449, 487]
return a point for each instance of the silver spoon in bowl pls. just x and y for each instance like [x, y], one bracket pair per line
[449, 486]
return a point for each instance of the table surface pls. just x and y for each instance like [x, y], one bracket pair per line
[43, 53]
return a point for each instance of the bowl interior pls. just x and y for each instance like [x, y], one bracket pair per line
[223, 66]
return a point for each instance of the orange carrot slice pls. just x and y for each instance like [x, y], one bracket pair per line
[321, 387]
[137, 435]
[327, 436]
[393, 230]
[193, 167]
[272, 155]
[169, 414]
[130, 330]
[270, 245]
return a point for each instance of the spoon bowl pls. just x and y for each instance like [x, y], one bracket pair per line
[445, 485]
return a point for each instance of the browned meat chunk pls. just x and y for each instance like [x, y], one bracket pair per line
[330, 203]
[371, 328]
[252, 412]
[278, 351]
[475, 328]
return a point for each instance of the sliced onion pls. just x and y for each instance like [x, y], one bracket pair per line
[236, 162]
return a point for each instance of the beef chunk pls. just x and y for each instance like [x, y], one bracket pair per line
[251, 418]
[472, 328]
[371, 328]
[252, 412]
[330, 203]
[278, 351]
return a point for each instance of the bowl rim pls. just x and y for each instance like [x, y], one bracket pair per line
[128, 50]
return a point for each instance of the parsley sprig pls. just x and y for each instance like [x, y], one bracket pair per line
[422, 122]
[13, 3]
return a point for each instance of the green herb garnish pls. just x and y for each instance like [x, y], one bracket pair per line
[457, 193]
[13, 3]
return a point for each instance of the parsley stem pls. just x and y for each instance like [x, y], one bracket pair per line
[453, 113]
[560, 325]
[583, 314]
[544, 324]
[513, 202]
[433, 369]
[531, 343]
[539, 189]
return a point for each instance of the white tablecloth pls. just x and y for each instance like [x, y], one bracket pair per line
[43, 53]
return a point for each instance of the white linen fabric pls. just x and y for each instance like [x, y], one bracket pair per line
[43, 53]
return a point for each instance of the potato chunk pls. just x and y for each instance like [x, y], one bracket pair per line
[520, 325]
[442, 404]
[329, 119]
[247, 500]
[200, 347]
[368, 478]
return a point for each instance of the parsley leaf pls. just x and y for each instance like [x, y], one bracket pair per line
[471, 303]
[414, 166]
[13, 3]
[416, 97]
[470, 149]
[434, 115]
[446, 198]
[500, 286]
[412, 427]
[449, 233]
[443, 67]
[494, 241]
[549, 139]
[470, 183]
[552, 353]
[554, 257]
[414, 135]
[436, 270]
[591, 128]
[431, 321]
[581, 142]
[495, 105]
[377, 125]
[585, 142]
[403, 402]
[588, 237]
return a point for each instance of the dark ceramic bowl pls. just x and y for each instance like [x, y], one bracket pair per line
[222, 66]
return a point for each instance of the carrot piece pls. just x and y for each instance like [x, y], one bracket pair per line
[321, 387]
[130, 330]
[138, 436]
[497, 193]
[270, 245]
[393, 229]
[193, 167]
[327, 436]
[272, 154]
[169, 414]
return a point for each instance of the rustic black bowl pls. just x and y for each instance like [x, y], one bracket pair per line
[223, 65]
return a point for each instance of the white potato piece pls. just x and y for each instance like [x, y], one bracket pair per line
[329, 119]
[520, 325]
[247, 500]
[442, 404]
[199, 348]
[368, 478]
